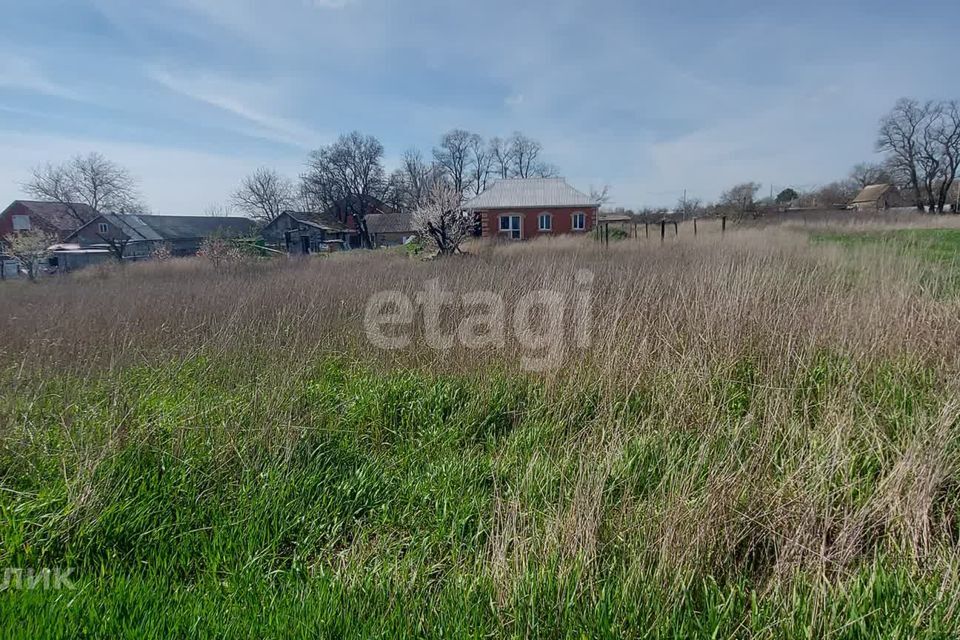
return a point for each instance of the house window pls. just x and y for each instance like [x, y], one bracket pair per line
[579, 221]
[545, 222]
[510, 224]
[102, 228]
[21, 223]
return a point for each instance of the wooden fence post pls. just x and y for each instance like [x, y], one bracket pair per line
[694, 226]
[676, 230]
[646, 230]
[663, 230]
[723, 224]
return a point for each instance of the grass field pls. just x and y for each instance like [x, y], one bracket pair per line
[760, 439]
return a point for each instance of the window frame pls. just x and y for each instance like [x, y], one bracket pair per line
[510, 231]
[18, 222]
[545, 215]
[573, 221]
[103, 228]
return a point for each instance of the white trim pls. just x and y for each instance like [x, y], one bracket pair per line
[549, 217]
[510, 230]
[103, 227]
[573, 221]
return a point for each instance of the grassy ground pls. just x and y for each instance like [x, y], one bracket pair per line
[760, 441]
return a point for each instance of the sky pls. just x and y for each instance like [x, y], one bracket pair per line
[651, 98]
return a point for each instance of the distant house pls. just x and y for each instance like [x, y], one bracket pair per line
[140, 235]
[389, 229]
[304, 232]
[56, 218]
[342, 211]
[877, 197]
[520, 209]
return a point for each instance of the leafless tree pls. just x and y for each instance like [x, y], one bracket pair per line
[349, 170]
[30, 248]
[740, 198]
[867, 173]
[92, 180]
[900, 136]
[501, 158]
[689, 207]
[441, 220]
[601, 196]
[264, 194]
[218, 210]
[939, 152]
[454, 156]
[478, 164]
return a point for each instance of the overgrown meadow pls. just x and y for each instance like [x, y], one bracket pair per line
[760, 439]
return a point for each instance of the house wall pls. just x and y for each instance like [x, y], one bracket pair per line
[36, 222]
[390, 239]
[275, 235]
[562, 221]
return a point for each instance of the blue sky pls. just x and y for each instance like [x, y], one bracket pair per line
[649, 97]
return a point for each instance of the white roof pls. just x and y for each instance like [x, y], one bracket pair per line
[519, 193]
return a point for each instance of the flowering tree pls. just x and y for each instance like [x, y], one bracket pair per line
[31, 248]
[441, 220]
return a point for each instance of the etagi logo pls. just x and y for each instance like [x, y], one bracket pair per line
[539, 321]
[17, 579]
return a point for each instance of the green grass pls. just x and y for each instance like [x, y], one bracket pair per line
[349, 502]
[936, 245]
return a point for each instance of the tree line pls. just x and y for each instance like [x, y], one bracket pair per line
[351, 171]
[920, 143]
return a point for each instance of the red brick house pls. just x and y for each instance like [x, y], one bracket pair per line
[59, 219]
[521, 209]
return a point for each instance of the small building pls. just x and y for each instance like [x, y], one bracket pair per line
[138, 236]
[343, 211]
[525, 208]
[877, 197]
[390, 229]
[56, 218]
[303, 233]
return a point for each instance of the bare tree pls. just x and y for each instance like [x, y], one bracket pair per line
[689, 207]
[218, 210]
[479, 164]
[30, 248]
[91, 180]
[417, 177]
[601, 196]
[501, 158]
[454, 156]
[740, 198]
[867, 173]
[349, 170]
[900, 133]
[441, 220]
[939, 156]
[264, 194]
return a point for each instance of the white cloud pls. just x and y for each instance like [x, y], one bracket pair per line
[250, 102]
[17, 72]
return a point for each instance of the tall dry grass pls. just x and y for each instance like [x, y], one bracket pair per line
[751, 406]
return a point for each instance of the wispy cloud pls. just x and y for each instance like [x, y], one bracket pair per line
[247, 101]
[24, 74]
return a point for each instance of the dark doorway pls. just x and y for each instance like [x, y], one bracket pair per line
[305, 244]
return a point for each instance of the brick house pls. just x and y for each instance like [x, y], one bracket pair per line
[525, 208]
[56, 218]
